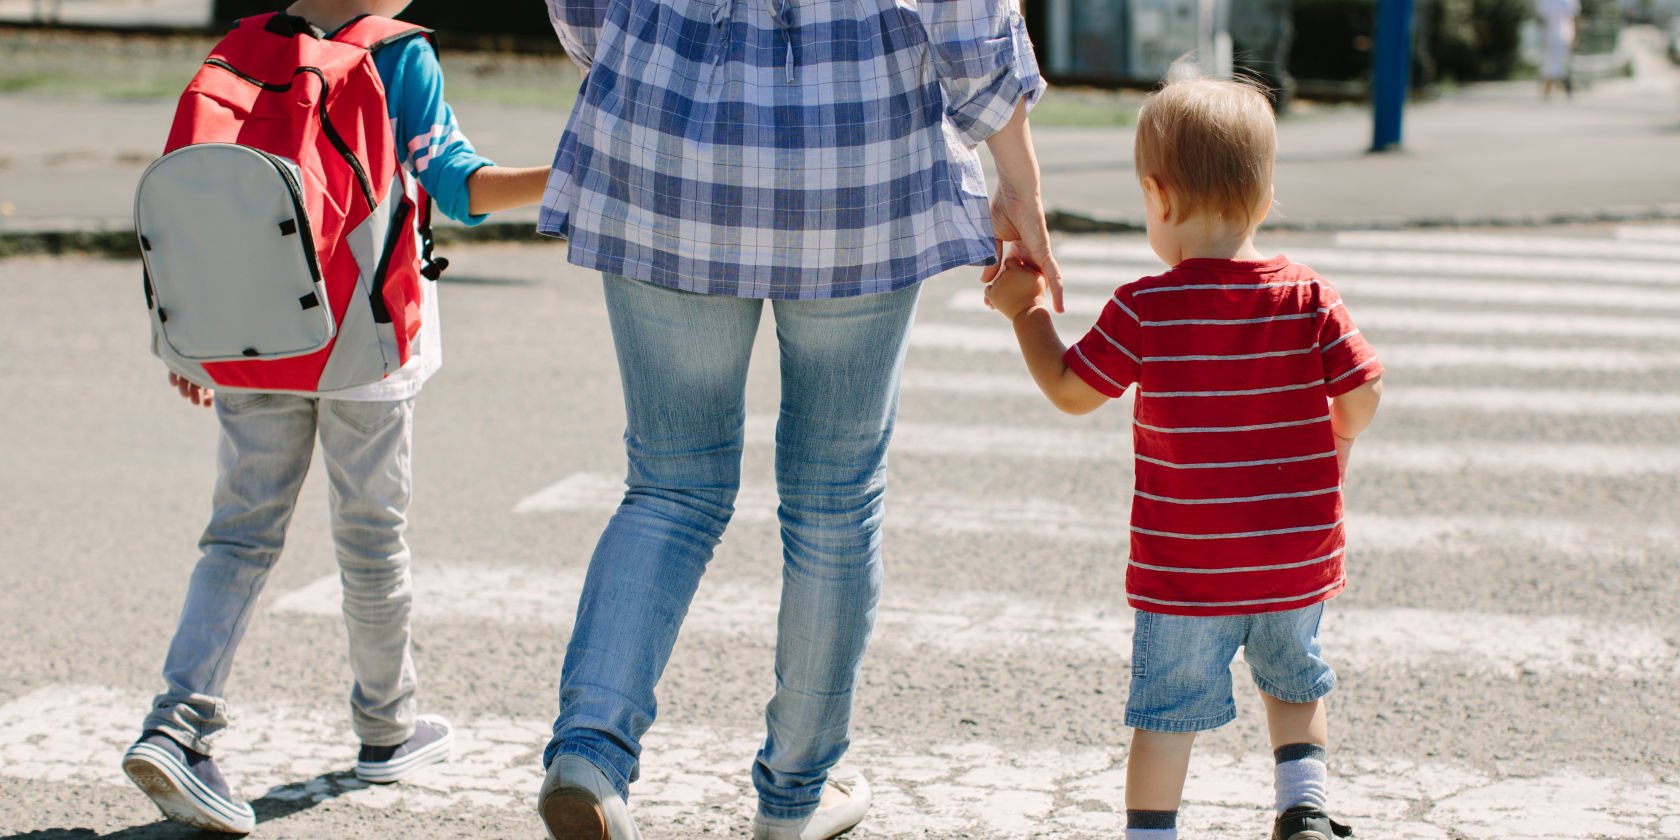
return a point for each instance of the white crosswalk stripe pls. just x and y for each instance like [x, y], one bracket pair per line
[1521, 265]
[1476, 321]
[1632, 247]
[1552, 401]
[1503, 292]
[976, 624]
[67, 733]
[998, 339]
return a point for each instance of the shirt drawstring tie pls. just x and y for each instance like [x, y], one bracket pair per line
[781, 12]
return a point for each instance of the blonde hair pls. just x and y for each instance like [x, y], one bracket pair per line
[1211, 144]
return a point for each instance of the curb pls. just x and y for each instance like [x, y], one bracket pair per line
[119, 243]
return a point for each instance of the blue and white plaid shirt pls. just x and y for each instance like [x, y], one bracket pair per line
[783, 148]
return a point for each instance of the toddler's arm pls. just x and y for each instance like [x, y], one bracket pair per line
[1350, 413]
[492, 188]
[1022, 296]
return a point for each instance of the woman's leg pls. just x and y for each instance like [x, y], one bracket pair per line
[683, 361]
[840, 363]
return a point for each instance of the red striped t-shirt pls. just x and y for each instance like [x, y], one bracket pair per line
[1236, 507]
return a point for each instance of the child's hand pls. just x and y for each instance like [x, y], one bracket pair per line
[1016, 289]
[190, 391]
[1344, 451]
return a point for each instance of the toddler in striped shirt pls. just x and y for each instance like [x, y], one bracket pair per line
[1252, 383]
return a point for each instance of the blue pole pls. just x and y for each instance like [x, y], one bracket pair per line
[1391, 72]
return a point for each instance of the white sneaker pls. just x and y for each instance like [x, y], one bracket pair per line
[827, 821]
[577, 802]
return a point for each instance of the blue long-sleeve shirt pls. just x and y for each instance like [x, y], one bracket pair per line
[429, 142]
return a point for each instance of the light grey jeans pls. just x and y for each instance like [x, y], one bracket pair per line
[264, 453]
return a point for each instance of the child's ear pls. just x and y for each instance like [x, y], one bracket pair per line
[1265, 205]
[1157, 201]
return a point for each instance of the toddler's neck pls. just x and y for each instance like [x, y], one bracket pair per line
[1204, 237]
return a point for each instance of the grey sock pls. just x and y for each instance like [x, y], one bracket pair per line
[1302, 776]
[1151, 825]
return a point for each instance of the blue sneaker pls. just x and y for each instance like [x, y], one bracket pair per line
[427, 746]
[185, 785]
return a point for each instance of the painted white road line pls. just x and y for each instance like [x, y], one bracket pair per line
[1106, 527]
[1520, 245]
[1636, 233]
[1438, 356]
[1461, 321]
[1359, 287]
[1461, 456]
[952, 439]
[1539, 401]
[1330, 260]
[700, 776]
[969, 623]
[1552, 402]
[1422, 355]
[600, 493]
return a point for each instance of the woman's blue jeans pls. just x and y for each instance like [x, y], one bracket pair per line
[683, 360]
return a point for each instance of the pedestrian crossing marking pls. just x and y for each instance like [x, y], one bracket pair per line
[1395, 354]
[1500, 292]
[1630, 233]
[1329, 260]
[1494, 400]
[969, 623]
[1654, 249]
[303, 753]
[1372, 317]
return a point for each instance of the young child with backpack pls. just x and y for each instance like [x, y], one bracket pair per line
[1252, 383]
[287, 246]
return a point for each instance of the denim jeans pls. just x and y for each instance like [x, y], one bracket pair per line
[683, 361]
[263, 455]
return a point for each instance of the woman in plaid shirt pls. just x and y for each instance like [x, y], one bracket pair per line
[819, 154]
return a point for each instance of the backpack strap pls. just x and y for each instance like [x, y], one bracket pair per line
[373, 33]
[280, 23]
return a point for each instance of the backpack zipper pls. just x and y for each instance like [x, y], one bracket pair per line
[332, 133]
[305, 230]
[397, 228]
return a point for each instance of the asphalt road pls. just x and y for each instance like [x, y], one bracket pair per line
[1509, 646]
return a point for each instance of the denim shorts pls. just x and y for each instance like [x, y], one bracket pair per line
[1181, 665]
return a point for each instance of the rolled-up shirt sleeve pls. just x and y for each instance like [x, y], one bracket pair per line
[578, 23]
[984, 60]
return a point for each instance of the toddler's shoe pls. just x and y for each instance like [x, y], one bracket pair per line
[832, 819]
[427, 746]
[1304, 822]
[578, 802]
[185, 785]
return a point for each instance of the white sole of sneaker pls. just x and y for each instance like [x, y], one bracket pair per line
[181, 796]
[386, 772]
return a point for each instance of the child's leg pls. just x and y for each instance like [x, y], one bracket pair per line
[1287, 662]
[262, 458]
[366, 449]
[1300, 747]
[1155, 771]
[1181, 684]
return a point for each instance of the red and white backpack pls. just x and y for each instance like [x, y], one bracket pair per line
[283, 243]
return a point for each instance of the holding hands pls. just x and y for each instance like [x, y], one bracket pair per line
[1018, 288]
